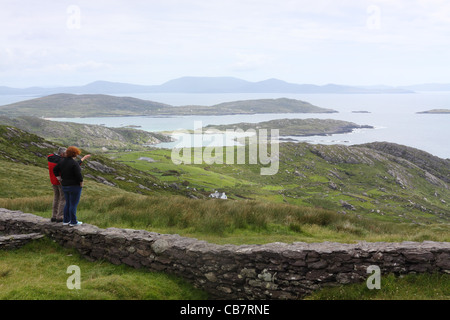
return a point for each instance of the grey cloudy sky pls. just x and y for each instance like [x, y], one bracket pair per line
[355, 42]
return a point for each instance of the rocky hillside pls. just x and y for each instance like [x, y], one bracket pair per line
[21, 147]
[378, 178]
[87, 136]
[355, 180]
[435, 166]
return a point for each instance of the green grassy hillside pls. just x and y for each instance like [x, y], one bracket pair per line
[346, 183]
[356, 180]
[386, 199]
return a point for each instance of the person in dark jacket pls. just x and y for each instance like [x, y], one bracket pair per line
[68, 171]
[59, 201]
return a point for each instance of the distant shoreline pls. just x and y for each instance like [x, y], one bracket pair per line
[435, 111]
[294, 127]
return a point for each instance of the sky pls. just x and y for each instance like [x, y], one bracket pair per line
[352, 42]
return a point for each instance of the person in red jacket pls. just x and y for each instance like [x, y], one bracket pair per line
[59, 200]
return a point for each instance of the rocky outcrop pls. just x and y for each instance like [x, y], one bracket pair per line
[270, 271]
[97, 166]
[86, 135]
[432, 165]
[344, 154]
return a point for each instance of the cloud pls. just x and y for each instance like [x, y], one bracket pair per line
[82, 66]
[150, 40]
[248, 62]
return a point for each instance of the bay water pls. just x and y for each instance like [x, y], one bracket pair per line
[393, 116]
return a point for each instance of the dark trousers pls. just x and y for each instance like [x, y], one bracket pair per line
[72, 195]
[59, 202]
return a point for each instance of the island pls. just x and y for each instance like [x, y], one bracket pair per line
[294, 127]
[98, 105]
[436, 111]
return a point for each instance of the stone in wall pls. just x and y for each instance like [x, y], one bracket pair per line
[16, 241]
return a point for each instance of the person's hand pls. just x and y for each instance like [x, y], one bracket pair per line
[86, 157]
[81, 184]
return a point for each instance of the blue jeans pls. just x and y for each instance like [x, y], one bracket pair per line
[72, 195]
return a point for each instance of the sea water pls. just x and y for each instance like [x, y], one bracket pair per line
[393, 116]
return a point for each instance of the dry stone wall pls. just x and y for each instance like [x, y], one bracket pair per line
[270, 271]
[18, 240]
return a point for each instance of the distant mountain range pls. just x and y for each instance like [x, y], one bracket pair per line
[218, 85]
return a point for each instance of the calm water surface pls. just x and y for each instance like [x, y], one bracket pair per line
[393, 116]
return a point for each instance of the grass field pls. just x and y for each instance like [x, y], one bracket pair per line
[38, 271]
[410, 287]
